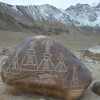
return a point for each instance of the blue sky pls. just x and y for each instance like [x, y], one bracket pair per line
[57, 3]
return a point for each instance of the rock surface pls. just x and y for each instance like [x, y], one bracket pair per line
[6, 50]
[96, 88]
[41, 65]
[93, 53]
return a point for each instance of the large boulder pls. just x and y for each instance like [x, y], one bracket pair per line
[43, 66]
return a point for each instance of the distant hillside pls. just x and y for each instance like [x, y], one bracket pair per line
[44, 30]
[8, 23]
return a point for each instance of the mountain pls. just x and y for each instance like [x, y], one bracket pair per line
[84, 15]
[8, 23]
[78, 15]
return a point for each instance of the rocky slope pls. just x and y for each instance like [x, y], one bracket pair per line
[44, 30]
[84, 14]
[78, 15]
[8, 23]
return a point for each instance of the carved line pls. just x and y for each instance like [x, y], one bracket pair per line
[46, 58]
[61, 63]
[30, 57]
[76, 81]
[14, 63]
[47, 45]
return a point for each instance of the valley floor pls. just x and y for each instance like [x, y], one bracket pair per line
[73, 42]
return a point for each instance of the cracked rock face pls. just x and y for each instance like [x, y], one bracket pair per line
[43, 66]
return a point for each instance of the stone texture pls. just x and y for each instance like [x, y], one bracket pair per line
[43, 66]
[92, 53]
[96, 88]
[6, 50]
[2, 49]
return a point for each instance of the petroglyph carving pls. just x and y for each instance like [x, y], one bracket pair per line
[32, 45]
[14, 66]
[61, 66]
[46, 79]
[47, 43]
[29, 62]
[76, 84]
[46, 62]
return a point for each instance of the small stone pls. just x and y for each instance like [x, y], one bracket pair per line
[96, 88]
[92, 67]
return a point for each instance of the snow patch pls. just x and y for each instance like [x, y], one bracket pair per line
[14, 7]
[94, 5]
[63, 10]
[39, 36]
[95, 49]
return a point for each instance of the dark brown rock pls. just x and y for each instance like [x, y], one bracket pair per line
[96, 88]
[43, 66]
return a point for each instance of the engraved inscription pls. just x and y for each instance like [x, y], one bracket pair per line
[14, 68]
[29, 62]
[46, 79]
[46, 62]
[76, 84]
[61, 66]
[47, 43]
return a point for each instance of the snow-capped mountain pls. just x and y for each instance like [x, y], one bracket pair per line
[84, 15]
[78, 15]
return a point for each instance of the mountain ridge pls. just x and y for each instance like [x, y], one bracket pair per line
[79, 15]
[8, 23]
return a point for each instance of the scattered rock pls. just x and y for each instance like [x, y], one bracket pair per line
[96, 88]
[86, 53]
[92, 67]
[2, 49]
[13, 47]
[93, 53]
[41, 65]
[6, 50]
